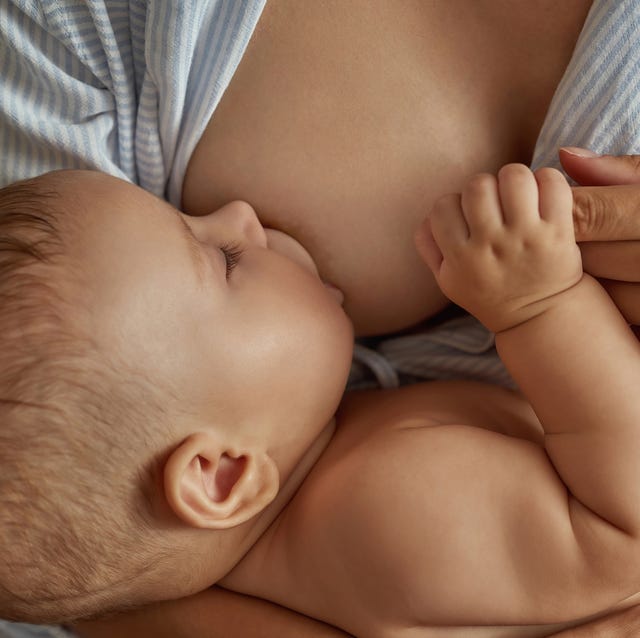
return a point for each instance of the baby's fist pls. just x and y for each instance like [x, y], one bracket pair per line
[504, 249]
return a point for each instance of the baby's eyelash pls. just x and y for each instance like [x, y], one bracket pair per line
[232, 253]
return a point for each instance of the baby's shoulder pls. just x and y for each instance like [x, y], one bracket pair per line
[419, 407]
[404, 468]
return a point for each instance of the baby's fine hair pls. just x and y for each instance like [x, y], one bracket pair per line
[77, 452]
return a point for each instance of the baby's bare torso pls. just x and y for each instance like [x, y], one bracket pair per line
[345, 120]
[370, 543]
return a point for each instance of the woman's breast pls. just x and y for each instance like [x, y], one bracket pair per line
[346, 120]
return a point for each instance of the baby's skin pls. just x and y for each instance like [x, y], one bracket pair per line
[451, 509]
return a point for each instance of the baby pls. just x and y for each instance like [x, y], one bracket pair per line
[155, 367]
[166, 398]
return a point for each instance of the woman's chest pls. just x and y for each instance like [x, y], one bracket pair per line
[345, 120]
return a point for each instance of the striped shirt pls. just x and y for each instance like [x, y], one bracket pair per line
[122, 86]
[597, 103]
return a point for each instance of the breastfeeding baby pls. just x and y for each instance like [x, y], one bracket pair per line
[169, 386]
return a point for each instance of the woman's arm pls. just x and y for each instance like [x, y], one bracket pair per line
[214, 613]
[625, 624]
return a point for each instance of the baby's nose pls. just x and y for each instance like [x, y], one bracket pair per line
[244, 221]
[236, 223]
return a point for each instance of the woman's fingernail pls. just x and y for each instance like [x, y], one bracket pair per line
[579, 152]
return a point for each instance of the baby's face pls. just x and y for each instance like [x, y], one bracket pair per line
[230, 316]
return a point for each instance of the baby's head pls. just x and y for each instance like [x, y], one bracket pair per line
[160, 377]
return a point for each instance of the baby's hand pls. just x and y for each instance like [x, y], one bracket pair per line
[505, 248]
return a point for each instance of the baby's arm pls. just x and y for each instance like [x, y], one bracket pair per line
[509, 257]
[505, 251]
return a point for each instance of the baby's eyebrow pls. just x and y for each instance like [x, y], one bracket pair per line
[194, 247]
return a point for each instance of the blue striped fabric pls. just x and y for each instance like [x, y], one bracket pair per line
[122, 86]
[597, 103]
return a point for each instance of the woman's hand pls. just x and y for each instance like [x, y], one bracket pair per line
[607, 222]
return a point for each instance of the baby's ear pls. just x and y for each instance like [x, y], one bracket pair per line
[211, 486]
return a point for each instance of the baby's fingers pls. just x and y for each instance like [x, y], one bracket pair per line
[448, 226]
[518, 195]
[481, 206]
[555, 197]
[427, 247]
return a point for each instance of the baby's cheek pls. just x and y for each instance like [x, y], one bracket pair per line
[290, 248]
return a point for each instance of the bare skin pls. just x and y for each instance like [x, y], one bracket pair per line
[603, 213]
[607, 223]
[345, 121]
[622, 624]
[447, 509]
[213, 613]
[468, 153]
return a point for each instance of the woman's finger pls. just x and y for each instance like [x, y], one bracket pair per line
[590, 169]
[626, 296]
[604, 213]
[618, 260]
